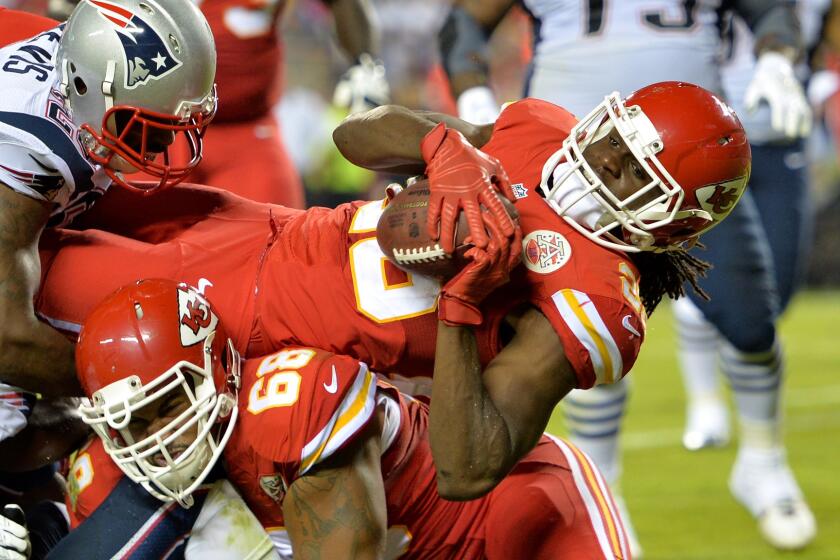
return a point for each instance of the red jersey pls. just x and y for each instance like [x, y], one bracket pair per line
[327, 284]
[16, 26]
[282, 277]
[300, 406]
[91, 476]
[249, 55]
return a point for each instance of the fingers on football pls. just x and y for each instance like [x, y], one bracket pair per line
[475, 221]
[515, 248]
[498, 249]
[494, 205]
[502, 183]
[433, 216]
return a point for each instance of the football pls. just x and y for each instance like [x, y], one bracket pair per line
[403, 237]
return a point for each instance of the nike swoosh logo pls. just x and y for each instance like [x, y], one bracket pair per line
[625, 322]
[333, 386]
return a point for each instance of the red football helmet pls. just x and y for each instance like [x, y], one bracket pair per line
[145, 342]
[689, 142]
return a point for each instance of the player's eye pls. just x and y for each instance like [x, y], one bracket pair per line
[638, 171]
[613, 142]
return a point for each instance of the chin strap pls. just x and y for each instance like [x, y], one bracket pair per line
[108, 85]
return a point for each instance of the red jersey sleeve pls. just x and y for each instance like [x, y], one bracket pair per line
[91, 478]
[526, 133]
[600, 335]
[16, 25]
[301, 405]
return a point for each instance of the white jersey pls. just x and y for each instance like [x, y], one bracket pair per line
[585, 49]
[41, 155]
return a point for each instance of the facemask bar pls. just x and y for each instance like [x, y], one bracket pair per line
[644, 143]
[190, 119]
[110, 414]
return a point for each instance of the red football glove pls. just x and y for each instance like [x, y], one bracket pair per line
[462, 177]
[489, 269]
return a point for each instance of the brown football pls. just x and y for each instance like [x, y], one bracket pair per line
[403, 237]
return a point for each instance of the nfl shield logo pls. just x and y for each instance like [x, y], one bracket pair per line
[146, 54]
[519, 190]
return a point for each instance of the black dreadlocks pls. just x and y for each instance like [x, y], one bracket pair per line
[666, 274]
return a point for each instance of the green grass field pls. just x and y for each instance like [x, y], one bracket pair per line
[679, 500]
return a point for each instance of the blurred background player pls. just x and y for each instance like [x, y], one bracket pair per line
[582, 49]
[779, 186]
[334, 462]
[246, 153]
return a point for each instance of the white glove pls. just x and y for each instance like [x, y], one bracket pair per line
[14, 538]
[478, 105]
[774, 82]
[363, 86]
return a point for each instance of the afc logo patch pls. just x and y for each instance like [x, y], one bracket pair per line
[197, 321]
[545, 251]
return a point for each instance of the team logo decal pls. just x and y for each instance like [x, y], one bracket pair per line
[719, 198]
[197, 320]
[146, 55]
[274, 486]
[519, 190]
[47, 185]
[545, 251]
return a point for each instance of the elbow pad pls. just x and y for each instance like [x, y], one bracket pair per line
[463, 44]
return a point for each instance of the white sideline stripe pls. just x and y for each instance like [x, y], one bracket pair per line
[794, 399]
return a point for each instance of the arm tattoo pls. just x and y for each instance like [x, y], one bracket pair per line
[345, 509]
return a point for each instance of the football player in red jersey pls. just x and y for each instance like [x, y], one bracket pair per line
[332, 461]
[605, 204]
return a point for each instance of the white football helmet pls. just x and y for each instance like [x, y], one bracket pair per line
[133, 72]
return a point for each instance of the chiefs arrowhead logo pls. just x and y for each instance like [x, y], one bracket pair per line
[722, 199]
[545, 251]
[196, 317]
[718, 199]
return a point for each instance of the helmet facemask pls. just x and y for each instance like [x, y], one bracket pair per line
[210, 413]
[625, 224]
[129, 141]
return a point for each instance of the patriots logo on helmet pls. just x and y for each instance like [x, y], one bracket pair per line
[146, 55]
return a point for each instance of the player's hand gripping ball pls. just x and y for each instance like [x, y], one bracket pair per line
[404, 238]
